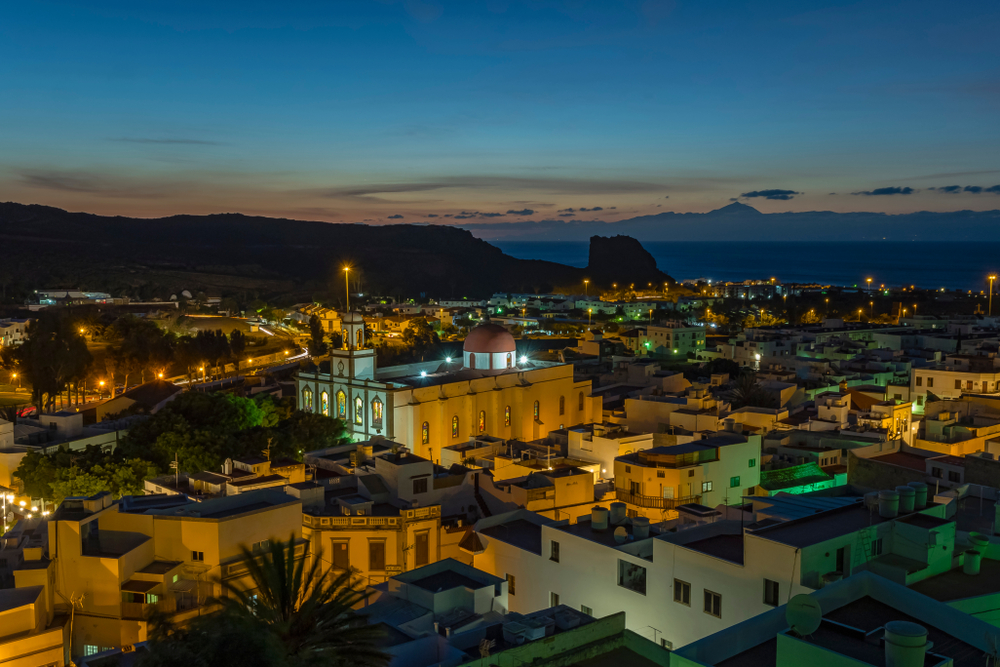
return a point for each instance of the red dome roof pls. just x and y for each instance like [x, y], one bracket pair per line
[489, 338]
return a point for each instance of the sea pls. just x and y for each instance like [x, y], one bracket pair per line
[926, 265]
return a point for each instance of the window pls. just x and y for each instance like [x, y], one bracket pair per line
[660, 473]
[682, 592]
[307, 399]
[506, 416]
[713, 604]
[958, 384]
[554, 551]
[482, 421]
[562, 405]
[937, 472]
[510, 360]
[198, 556]
[920, 381]
[425, 433]
[628, 468]
[632, 576]
[877, 548]
[377, 413]
[90, 649]
[359, 411]
[553, 599]
[376, 554]
[420, 485]
[930, 382]
[536, 409]
[954, 476]
[690, 473]
[421, 548]
[324, 403]
[341, 405]
[635, 488]
[580, 402]
[260, 546]
[752, 463]
[341, 555]
[706, 487]
[771, 593]
[586, 610]
[454, 426]
[734, 482]
[510, 584]
[472, 361]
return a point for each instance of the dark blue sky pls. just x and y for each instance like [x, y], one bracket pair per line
[362, 111]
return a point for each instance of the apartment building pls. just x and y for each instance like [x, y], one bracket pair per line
[713, 572]
[672, 340]
[960, 374]
[719, 469]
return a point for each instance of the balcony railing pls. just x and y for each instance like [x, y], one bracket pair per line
[653, 502]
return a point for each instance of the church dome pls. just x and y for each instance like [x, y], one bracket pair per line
[489, 339]
[352, 317]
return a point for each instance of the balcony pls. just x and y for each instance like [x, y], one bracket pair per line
[653, 502]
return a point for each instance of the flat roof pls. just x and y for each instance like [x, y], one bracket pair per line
[160, 567]
[823, 526]
[447, 580]
[606, 537]
[519, 533]
[726, 547]
[955, 584]
[904, 459]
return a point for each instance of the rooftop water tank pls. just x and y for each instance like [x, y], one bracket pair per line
[920, 499]
[888, 504]
[905, 644]
[618, 513]
[907, 498]
[599, 518]
[973, 560]
[640, 527]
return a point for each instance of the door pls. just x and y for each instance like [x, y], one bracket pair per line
[668, 492]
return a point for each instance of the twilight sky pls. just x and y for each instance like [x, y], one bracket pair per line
[496, 110]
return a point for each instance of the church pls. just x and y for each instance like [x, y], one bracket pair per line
[429, 405]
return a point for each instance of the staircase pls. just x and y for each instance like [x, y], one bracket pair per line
[482, 504]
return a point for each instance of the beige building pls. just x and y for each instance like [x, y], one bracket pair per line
[427, 406]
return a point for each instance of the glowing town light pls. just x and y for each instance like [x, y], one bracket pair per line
[524, 359]
[447, 360]
[423, 374]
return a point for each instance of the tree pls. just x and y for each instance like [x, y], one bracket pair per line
[307, 607]
[85, 473]
[419, 336]
[810, 318]
[237, 344]
[53, 353]
[317, 347]
[749, 393]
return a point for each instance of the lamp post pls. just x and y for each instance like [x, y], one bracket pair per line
[101, 395]
[7, 498]
[869, 281]
[586, 288]
[590, 312]
[992, 277]
[871, 308]
[650, 317]
[347, 287]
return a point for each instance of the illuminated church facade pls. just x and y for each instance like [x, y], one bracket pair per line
[430, 405]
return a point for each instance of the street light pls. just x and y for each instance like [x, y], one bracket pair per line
[871, 308]
[590, 312]
[869, 280]
[347, 286]
[586, 288]
[992, 277]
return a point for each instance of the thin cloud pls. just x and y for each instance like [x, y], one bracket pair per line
[524, 211]
[492, 215]
[158, 140]
[569, 186]
[885, 191]
[396, 217]
[781, 195]
[596, 208]
[432, 215]
[566, 215]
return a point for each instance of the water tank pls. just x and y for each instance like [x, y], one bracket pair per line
[973, 559]
[599, 518]
[618, 513]
[979, 541]
[832, 577]
[920, 499]
[640, 527]
[888, 504]
[907, 497]
[905, 644]
[871, 500]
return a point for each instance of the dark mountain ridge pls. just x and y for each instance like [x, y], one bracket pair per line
[52, 247]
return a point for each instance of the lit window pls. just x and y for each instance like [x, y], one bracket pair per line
[536, 409]
[734, 482]
[506, 416]
[307, 399]
[425, 433]
[324, 403]
[454, 426]
[359, 411]
[706, 487]
[377, 413]
[341, 405]
[482, 421]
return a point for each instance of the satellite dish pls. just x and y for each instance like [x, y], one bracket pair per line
[803, 615]
[621, 535]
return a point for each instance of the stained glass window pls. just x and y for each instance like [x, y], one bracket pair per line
[536, 409]
[506, 416]
[377, 413]
[359, 411]
[454, 426]
[425, 433]
[324, 403]
[307, 399]
[482, 421]
[342, 404]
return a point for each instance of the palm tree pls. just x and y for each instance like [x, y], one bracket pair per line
[749, 393]
[309, 609]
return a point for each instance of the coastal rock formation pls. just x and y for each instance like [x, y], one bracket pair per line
[622, 259]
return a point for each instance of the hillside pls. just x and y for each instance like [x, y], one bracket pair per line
[227, 253]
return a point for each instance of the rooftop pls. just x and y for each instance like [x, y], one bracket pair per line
[605, 537]
[957, 585]
[518, 533]
[447, 580]
[726, 547]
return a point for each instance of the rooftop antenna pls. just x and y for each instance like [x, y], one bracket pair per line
[175, 465]
[803, 615]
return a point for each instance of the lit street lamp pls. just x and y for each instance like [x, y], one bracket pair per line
[586, 288]
[992, 277]
[347, 287]
[869, 280]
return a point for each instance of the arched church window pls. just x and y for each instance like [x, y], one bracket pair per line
[506, 416]
[510, 360]
[454, 426]
[482, 421]
[377, 413]
[472, 360]
[361, 338]
[324, 403]
[536, 409]
[359, 411]
[341, 404]
[307, 399]
[425, 434]
[562, 405]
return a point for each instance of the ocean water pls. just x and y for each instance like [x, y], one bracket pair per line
[928, 265]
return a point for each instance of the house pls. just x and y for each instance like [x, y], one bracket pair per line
[149, 397]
